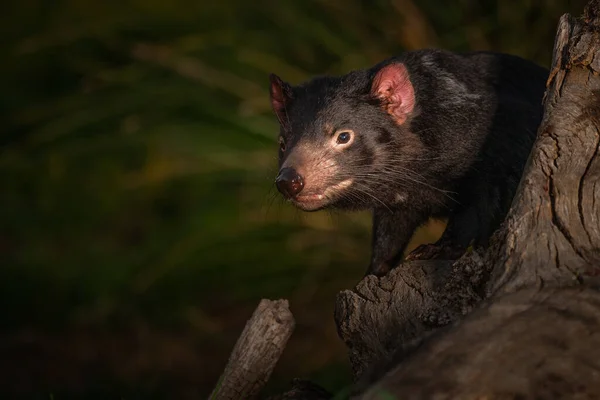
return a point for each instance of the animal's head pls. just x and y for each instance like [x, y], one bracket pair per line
[344, 141]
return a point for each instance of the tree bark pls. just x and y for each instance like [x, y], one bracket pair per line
[552, 234]
[382, 314]
[522, 285]
[256, 352]
[530, 344]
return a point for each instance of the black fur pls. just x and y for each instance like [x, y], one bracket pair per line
[460, 154]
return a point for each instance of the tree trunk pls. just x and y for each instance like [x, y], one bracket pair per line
[256, 352]
[530, 344]
[552, 235]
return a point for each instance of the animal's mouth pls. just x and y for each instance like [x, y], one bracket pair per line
[313, 201]
[310, 202]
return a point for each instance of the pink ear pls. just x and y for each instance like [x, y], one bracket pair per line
[281, 94]
[392, 85]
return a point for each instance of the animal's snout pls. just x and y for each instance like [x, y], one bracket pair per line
[289, 182]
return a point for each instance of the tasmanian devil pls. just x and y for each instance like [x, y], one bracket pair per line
[429, 133]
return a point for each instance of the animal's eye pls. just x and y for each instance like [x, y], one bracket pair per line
[281, 144]
[343, 137]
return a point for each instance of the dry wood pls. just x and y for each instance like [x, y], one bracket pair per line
[256, 352]
[552, 234]
[399, 310]
[530, 344]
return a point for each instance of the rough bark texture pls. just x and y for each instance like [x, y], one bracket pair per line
[382, 314]
[552, 233]
[526, 345]
[551, 237]
[256, 352]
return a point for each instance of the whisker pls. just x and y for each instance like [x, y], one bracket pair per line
[359, 188]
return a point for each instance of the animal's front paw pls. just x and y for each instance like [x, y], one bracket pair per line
[435, 252]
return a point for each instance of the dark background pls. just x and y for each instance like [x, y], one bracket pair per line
[139, 222]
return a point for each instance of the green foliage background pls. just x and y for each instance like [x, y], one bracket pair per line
[139, 224]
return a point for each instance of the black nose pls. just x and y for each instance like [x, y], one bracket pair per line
[289, 182]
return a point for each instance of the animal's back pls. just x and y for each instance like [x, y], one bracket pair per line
[519, 86]
[480, 110]
[489, 124]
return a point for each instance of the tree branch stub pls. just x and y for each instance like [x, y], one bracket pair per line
[256, 352]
